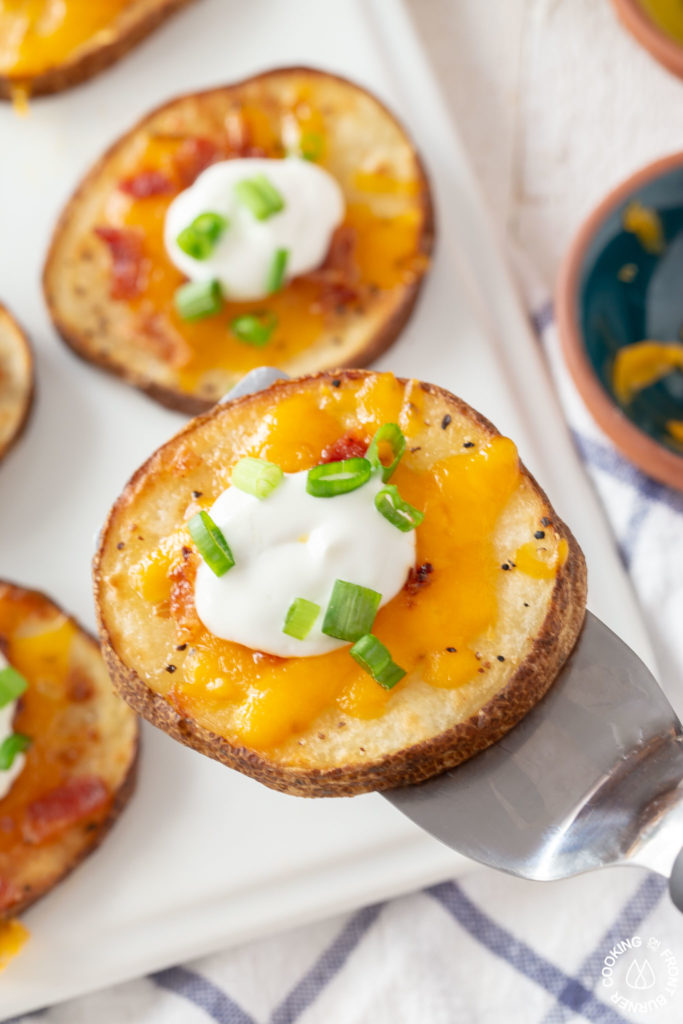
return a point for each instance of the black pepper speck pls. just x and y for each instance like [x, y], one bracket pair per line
[170, 669]
[445, 421]
[505, 567]
[336, 383]
[540, 534]
[452, 650]
[181, 647]
[120, 546]
[468, 444]
[500, 657]
[197, 494]
[545, 521]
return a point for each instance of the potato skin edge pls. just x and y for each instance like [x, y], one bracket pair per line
[30, 396]
[181, 401]
[79, 68]
[121, 797]
[415, 762]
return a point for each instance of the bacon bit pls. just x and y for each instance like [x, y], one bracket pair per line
[125, 247]
[418, 577]
[338, 274]
[62, 807]
[147, 183]
[9, 893]
[194, 156]
[181, 605]
[348, 447]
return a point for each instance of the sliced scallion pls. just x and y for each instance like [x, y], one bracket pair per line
[311, 146]
[254, 328]
[351, 611]
[375, 659]
[12, 685]
[398, 512]
[392, 435]
[256, 476]
[198, 299]
[300, 617]
[199, 238]
[277, 270]
[260, 196]
[12, 745]
[332, 478]
[211, 544]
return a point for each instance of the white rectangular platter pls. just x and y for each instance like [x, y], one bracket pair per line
[203, 857]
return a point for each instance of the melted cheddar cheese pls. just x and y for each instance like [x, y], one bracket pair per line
[432, 625]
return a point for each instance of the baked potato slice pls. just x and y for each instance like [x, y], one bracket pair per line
[80, 767]
[16, 380]
[50, 45]
[109, 284]
[483, 624]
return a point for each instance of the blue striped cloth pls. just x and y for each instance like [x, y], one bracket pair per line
[487, 948]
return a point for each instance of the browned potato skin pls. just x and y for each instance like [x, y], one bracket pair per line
[15, 348]
[376, 342]
[57, 860]
[415, 762]
[130, 29]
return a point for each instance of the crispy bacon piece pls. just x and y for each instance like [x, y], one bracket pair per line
[62, 807]
[418, 577]
[194, 156]
[127, 256]
[147, 183]
[338, 274]
[348, 447]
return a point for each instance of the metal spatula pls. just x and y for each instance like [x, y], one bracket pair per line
[592, 776]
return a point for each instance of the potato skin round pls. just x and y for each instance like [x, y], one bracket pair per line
[414, 762]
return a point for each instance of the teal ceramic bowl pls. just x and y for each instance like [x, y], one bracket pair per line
[621, 285]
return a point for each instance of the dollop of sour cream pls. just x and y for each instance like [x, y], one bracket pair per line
[291, 545]
[243, 255]
[6, 729]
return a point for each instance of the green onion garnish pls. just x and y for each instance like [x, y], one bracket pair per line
[300, 617]
[211, 544]
[260, 196]
[399, 513]
[198, 299]
[276, 273]
[373, 656]
[256, 476]
[12, 685]
[311, 145]
[391, 434]
[10, 747]
[254, 328]
[198, 240]
[332, 478]
[351, 611]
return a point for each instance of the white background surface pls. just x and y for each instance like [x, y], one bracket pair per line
[204, 857]
[555, 103]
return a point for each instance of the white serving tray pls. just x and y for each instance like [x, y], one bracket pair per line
[203, 857]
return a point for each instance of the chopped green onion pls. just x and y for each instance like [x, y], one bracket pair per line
[332, 478]
[276, 273]
[300, 617]
[211, 544]
[199, 238]
[254, 328]
[373, 656]
[399, 513]
[260, 196]
[12, 685]
[198, 299]
[10, 747]
[391, 434]
[256, 476]
[351, 611]
[311, 145]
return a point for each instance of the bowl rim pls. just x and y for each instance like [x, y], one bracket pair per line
[654, 39]
[648, 455]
